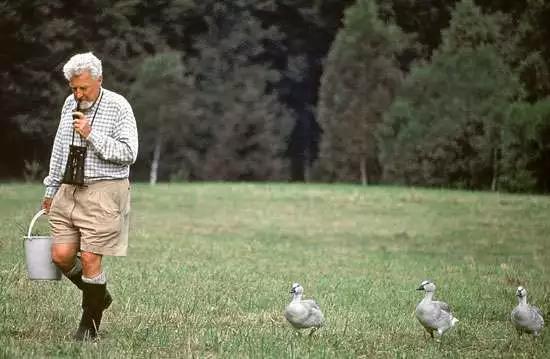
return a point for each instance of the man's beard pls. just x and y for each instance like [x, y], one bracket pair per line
[85, 105]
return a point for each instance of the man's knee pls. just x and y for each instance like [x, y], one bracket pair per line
[63, 256]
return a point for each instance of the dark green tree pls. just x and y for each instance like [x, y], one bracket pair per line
[445, 126]
[443, 129]
[360, 79]
[530, 20]
[239, 126]
[526, 148]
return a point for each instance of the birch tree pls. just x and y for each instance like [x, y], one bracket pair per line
[157, 97]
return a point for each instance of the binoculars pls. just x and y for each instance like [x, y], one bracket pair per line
[74, 168]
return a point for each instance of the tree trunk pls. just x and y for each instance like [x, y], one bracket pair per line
[363, 168]
[495, 170]
[153, 175]
[306, 165]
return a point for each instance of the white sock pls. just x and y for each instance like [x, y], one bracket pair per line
[101, 278]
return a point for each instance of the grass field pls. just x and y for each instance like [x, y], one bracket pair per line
[210, 266]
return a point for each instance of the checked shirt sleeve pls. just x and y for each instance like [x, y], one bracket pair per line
[121, 146]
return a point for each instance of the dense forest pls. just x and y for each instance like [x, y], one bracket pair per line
[439, 93]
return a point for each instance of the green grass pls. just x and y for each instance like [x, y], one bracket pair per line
[210, 266]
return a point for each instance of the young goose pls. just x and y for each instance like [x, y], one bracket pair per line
[303, 313]
[432, 314]
[526, 318]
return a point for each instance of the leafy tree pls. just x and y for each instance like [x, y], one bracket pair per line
[445, 127]
[157, 97]
[239, 126]
[526, 148]
[358, 84]
[530, 21]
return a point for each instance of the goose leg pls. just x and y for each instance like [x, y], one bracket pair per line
[431, 332]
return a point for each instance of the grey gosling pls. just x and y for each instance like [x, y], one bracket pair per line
[303, 313]
[526, 318]
[435, 316]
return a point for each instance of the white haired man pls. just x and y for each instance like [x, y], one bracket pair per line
[89, 218]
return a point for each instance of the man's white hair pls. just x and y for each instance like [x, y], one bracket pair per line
[80, 63]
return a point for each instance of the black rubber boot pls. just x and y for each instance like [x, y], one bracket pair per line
[76, 278]
[93, 304]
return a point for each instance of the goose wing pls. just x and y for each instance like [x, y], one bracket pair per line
[311, 303]
[528, 319]
[537, 310]
[443, 306]
[315, 317]
[431, 315]
[537, 318]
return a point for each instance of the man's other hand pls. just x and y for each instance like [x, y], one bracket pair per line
[46, 204]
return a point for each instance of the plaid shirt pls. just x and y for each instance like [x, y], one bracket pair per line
[112, 143]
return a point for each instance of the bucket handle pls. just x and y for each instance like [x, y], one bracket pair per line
[34, 219]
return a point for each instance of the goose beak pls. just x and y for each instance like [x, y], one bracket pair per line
[420, 288]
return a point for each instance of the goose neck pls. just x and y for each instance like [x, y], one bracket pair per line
[429, 296]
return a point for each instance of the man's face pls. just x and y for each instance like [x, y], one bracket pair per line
[85, 88]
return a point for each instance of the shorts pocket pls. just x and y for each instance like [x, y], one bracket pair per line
[109, 202]
[60, 205]
[105, 210]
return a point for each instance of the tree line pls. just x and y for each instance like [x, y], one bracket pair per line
[431, 93]
[471, 113]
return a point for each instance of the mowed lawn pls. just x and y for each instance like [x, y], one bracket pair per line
[210, 267]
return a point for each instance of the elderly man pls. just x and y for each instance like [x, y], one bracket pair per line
[87, 189]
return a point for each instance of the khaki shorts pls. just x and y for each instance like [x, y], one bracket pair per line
[96, 216]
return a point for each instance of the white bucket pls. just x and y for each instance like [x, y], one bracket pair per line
[38, 255]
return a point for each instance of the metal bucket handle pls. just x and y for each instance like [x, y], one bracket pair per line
[33, 220]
